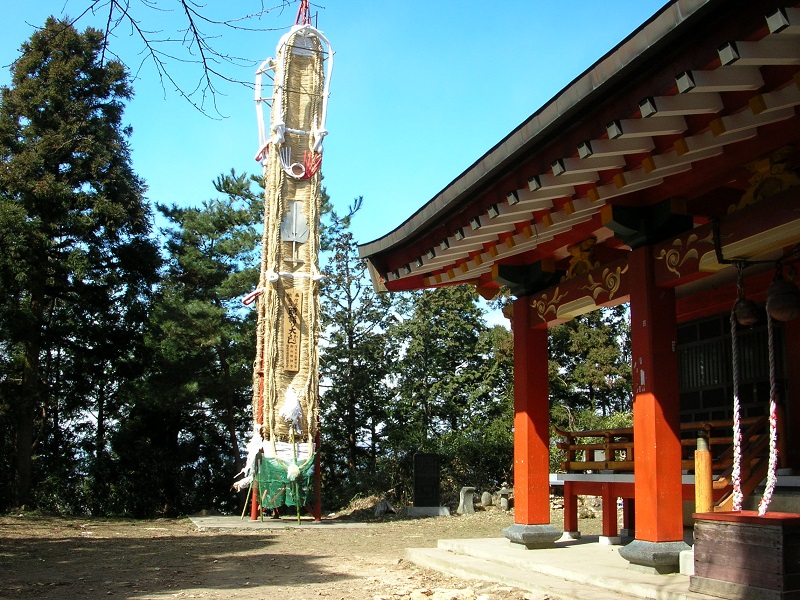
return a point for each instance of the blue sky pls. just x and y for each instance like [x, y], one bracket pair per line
[420, 90]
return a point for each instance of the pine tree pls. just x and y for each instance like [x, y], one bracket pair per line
[590, 365]
[441, 360]
[356, 359]
[74, 226]
[180, 437]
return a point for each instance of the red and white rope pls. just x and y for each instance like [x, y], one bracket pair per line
[736, 472]
[772, 469]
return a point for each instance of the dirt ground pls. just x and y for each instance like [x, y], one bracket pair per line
[64, 558]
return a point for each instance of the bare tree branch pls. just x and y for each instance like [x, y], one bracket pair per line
[197, 44]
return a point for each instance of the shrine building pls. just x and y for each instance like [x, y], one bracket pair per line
[664, 176]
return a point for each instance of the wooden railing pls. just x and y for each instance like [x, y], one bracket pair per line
[616, 451]
[615, 444]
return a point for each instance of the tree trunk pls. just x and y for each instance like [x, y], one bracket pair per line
[351, 437]
[26, 411]
[229, 414]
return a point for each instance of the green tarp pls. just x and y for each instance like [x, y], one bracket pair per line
[275, 488]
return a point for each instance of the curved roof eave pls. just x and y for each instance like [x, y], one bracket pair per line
[555, 113]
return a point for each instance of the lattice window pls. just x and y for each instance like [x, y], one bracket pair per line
[706, 382]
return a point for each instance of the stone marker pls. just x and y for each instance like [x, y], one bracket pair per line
[466, 498]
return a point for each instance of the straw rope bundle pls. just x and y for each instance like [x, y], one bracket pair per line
[285, 376]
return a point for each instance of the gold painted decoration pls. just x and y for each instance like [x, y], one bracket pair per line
[582, 260]
[609, 282]
[675, 257]
[685, 251]
[544, 305]
[771, 175]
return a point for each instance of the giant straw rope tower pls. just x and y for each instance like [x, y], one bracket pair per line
[285, 374]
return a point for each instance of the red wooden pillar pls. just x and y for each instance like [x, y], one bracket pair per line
[610, 527]
[255, 505]
[570, 510]
[656, 421]
[531, 434]
[628, 520]
[531, 420]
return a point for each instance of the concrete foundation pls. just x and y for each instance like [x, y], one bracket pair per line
[654, 557]
[533, 536]
[427, 511]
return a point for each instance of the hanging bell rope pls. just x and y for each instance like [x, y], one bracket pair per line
[746, 311]
[780, 303]
[772, 469]
[736, 471]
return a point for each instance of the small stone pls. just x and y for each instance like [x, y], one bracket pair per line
[453, 594]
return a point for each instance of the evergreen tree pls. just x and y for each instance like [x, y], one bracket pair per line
[355, 362]
[480, 452]
[440, 363]
[74, 244]
[445, 386]
[590, 364]
[180, 437]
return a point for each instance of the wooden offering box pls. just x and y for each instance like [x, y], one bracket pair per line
[742, 556]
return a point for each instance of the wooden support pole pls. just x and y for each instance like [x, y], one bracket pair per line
[628, 517]
[254, 503]
[531, 420]
[610, 528]
[570, 508]
[703, 493]
[317, 480]
[656, 405]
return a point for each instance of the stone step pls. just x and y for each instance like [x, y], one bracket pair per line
[469, 567]
[571, 570]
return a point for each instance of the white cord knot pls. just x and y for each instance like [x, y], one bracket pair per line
[278, 132]
[319, 137]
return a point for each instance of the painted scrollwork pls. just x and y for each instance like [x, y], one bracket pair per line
[609, 283]
[678, 255]
[675, 257]
[543, 306]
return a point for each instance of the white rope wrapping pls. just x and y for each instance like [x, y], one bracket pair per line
[278, 129]
[772, 469]
[736, 472]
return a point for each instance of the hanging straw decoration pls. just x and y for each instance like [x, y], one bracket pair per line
[285, 373]
[285, 398]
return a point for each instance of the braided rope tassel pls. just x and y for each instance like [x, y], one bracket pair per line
[736, 472]
[772, 469]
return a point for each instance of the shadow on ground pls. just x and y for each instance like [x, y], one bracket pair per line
[122, 566]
